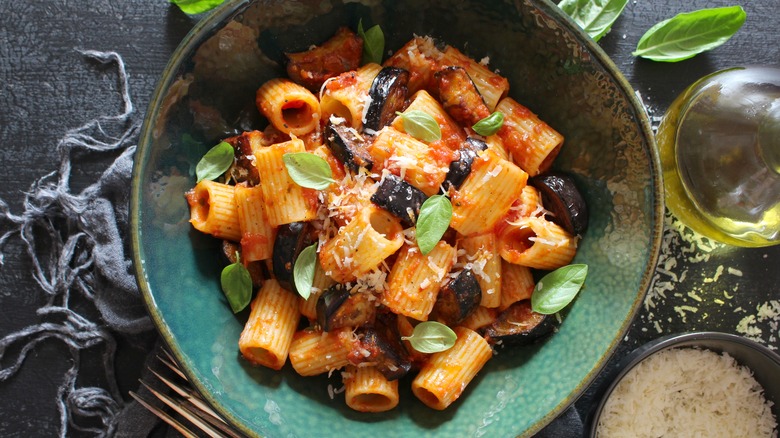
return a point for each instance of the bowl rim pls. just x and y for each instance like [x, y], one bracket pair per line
[668, 342]
[230, 8]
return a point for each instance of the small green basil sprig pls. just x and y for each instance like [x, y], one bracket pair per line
[558, 288]
[236, 285]
[688, 34]
[215, 162]
[308, 170]
[373, 43]
[433, 221]
[421, 125]
[303, 271]
[431, 337]
[490, 124]
[595, 17]
[194, 7]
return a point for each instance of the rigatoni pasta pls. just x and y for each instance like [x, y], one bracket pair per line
[353, 220]
[257, 233]
[368, 390]
[532, 143]
[213, 210]
[290, 107]
[444, 377]
[415, 280]
[268, 332]
[487, 194]
[285, 201]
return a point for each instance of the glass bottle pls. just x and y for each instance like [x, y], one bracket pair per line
[719, 144]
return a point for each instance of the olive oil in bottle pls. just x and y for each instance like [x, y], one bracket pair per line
[719, 144]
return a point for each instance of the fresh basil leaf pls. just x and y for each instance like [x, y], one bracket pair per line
[433, 221]
[595, 17]
[688, 34]
[421, 125]
[216, 161]
[236, 285]
[308, 170]
[194, 7]
[558, 288]
[303, 271]
[490, 124]
[373, 43]
[431, 337]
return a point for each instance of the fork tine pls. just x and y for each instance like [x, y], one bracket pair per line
[187, 393]
[186, 413]
[192, 397]
[214, 421]
[170, 363]
[196, 404]
[163, 416]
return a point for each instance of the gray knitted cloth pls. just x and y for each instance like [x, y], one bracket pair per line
[77, 247]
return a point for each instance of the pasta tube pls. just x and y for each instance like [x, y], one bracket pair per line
[487, 194]
[446, 374]
[268, 333]
[367, 390]
[285, 201]
[532, 143]
[360, 246]
[291, 108]
[537, 243]
[213, 210]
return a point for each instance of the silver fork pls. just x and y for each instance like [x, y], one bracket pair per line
[187, 402]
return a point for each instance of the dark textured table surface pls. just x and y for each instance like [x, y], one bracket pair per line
[48, 87]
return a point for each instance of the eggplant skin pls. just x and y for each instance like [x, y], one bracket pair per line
[337, 308]
[243, 169]
[400, 198]
[388, 95]
[458, 298]
[461, 168]
[371, 346]
[518, 324]
[459, 96]
[561, 197]
[349, 148]
[290, 240]
[341, 53]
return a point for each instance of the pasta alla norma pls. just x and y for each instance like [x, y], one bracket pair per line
[346, 166]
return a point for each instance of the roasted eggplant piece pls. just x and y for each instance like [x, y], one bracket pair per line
[337, 308]
[244, 170]
[460, 168]
[290, 240]
[373, 347]
[519, 325]
[347, 146]
[341, 53]
[400, 198]
[459, 96]
[561, 197]
[387, 95]
[458, 298]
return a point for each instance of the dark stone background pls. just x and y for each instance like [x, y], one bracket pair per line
[47, 87]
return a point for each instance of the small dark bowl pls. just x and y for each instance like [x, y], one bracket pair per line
[763, 362]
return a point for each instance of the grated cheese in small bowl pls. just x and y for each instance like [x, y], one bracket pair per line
[693, 385]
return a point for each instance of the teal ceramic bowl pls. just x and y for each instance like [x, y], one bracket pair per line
[207, 91]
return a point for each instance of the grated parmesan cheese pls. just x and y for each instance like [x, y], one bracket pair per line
[670, 395]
